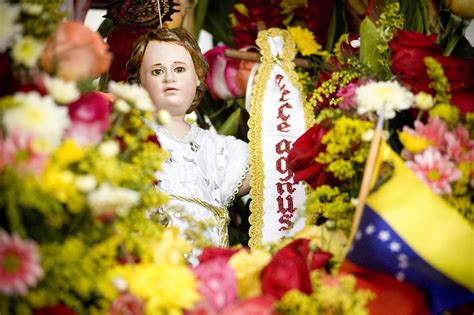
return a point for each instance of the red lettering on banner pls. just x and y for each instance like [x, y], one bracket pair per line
[283, 94]
[283, 146]
[278, 79]
[283, 127]
[284, 199]
[281, 114]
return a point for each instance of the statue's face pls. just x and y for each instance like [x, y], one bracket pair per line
[167, 72]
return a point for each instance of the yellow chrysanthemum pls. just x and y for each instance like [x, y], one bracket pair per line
[60, 184]
[247, 267]
[171, 248]
[305, 41]
[69, 152]
[414, 144]
[165, 288]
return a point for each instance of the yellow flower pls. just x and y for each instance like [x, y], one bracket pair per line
[330, 240]
[165, 288]
[414, 144]
[305, 41]
[69, 152]
[247, 267]
[446, 112]
[61, 184]
[424, 101]
[27, 51]
[171, 249]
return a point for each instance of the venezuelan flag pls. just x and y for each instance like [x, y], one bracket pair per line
[414, 235]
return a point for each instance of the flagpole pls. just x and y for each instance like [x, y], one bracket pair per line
[366, 178]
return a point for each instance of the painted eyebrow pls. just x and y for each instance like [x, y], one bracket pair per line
[175, 62]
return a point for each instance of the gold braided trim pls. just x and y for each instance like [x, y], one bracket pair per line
[285, 61]
[221, 214]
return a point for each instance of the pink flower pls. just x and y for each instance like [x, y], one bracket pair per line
[217, 283]
[90, 118]
[458, 145]
[347, 93]
[434, 131]
[227, 77]
[19, 264]
[435, 170]
[17, 150]
[126, 304]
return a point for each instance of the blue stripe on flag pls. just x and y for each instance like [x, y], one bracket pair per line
[377, 246]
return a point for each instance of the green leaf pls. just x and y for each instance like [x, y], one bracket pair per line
[200, 15]
[231, 125]
[369, 39]
[106, 27]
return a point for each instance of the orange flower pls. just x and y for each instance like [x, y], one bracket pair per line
[75, 53]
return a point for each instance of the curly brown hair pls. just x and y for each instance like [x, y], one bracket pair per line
[177, 36]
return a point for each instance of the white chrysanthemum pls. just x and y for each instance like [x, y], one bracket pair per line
[85, 183]
[33, 9]
[9, 30]
[116, 199]
[388, 96]
[134, 94]
[122, 106]
[27, 51]
[109, 148]
[63, 92]
[39, 116]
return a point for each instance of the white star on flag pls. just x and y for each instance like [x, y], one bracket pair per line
[384, 236]
[394, 246]
[369, 229]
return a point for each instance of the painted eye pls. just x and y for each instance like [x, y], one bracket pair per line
[180, 69]
[157, 71]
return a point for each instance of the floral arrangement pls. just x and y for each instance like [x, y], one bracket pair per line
[425, 98]
[294, 280]
[79, 233]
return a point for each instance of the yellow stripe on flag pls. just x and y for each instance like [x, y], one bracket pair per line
[426, 222]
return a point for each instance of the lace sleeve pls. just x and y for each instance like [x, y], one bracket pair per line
[233, 168]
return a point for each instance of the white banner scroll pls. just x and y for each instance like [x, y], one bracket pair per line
[277, 119]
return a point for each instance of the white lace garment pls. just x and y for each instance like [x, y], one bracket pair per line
[202, 175]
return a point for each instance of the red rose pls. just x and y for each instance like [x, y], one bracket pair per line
[90, 118]
[57, 309]
[260, 305]
[301, 159]
[212, 253]
[320, 259]
[408, 51]
[287, 270]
